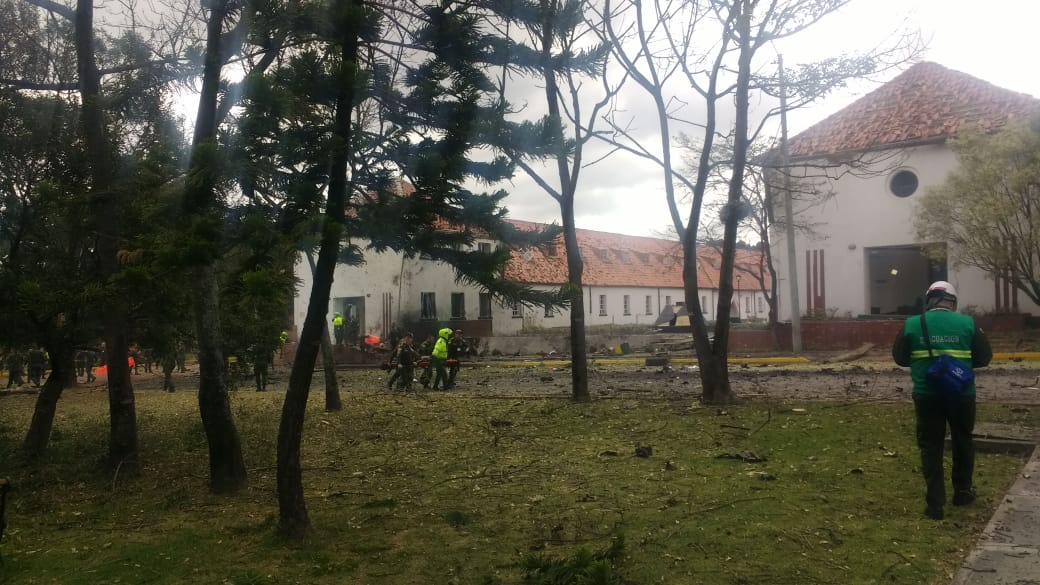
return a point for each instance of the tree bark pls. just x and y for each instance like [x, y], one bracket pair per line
[39, 433]
[568, 185]
[328, 361]
[333, 402]
[579, 349]
[294, 521]
[227, 468]
[101, 157]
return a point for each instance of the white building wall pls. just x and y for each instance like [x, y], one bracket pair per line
[861, 214]
[402, 280]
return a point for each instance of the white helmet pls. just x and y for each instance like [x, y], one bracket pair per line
[939, 291]
[941, 287]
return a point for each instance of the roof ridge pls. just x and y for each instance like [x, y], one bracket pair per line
[927, 102]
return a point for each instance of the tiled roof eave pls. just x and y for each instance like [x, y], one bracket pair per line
[852, 154]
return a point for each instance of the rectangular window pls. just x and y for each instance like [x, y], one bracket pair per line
[485, 305]
[649, 305]
[518, 310]
[704, 304]
[549, 312]
[668, 300]
[602, 305]
[427, 305]
[484, 248]
[458, 305]
[627, 304]
[747, 305]
[761, 304]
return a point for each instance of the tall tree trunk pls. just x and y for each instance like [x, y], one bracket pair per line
[227, 470]
[715, 383]
[39, 434]
[293, 519]
[579, 349]
[101, 156]
[328, 361]
[226, 465]
[568, 185]
[333, 402]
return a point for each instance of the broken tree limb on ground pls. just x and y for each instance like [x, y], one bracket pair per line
[850, 355]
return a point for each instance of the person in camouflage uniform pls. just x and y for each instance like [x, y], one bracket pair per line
[405, 358]
[14, 362]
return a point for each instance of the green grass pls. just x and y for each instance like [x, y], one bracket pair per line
[422, 489]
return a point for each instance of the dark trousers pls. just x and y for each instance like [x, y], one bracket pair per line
[403, 375]
[933, 413]
[440, 376]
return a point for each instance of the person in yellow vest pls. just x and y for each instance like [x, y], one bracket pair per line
[439, 357]
[936, 404]
[337, 328]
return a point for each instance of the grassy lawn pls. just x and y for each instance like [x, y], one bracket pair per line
[446, 488]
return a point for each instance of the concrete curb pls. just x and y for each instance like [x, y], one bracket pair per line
[1008, 552]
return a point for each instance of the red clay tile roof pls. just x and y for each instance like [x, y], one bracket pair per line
[620, 260]
[925, 103]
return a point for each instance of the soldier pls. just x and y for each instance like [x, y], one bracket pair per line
[425, 349]
[168, 362]
[456, 349]
[37, 364]
[261, 361]
[14, 364]
[405, 357]
[81, 363]
[91, 359]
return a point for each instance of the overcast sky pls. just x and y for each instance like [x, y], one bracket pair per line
[994, 40]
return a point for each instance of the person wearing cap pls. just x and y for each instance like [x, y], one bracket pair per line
[956, 335]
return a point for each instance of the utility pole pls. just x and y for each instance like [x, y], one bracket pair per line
[792, 260]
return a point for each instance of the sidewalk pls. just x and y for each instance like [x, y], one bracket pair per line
[1008, 552]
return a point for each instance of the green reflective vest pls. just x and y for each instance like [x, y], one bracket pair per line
[950, 333]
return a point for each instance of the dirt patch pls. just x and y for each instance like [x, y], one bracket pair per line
[1009, 382]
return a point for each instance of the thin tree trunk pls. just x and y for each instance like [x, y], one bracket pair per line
[715, 382]
[579, 349]
[122, 409]
[227, 470]
[328, 361]
[39, 433]
[333, 402]
[568, 185]
[294, 521]
[226, 465]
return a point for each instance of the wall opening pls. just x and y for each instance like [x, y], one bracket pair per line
[898, 276]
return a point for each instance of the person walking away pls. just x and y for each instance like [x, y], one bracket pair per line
[168, 363]
[439, 359]
[81, 363]
[261, 361]
[91, 359]
[425, 349]
[14, 363]
[405, 357]
[456, 349]
[37, 364]
[337, 328]
[956, 335]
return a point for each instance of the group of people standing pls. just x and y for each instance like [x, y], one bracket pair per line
[439, 356]
[35, 359]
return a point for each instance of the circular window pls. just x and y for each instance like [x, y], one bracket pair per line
[903, 183]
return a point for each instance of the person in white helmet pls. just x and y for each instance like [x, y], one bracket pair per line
[956, 335]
